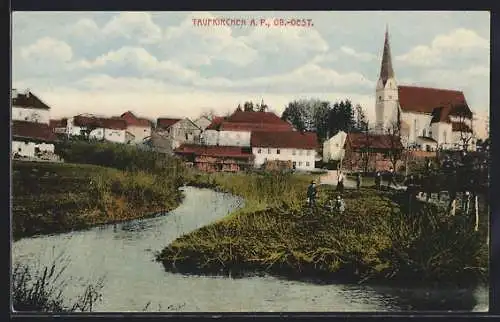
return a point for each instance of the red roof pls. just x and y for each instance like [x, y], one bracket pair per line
[216, 151]
[58, 123]
[133, 120]
[29, 100]
[292, 139]
[31, 130]
[425, 100]
[255, 117]
[250, 121]
[100, 122]
[165, 123]
[229, 126]
[377, 141]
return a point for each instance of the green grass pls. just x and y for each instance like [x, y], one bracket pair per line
[375, 240]
[57, 197]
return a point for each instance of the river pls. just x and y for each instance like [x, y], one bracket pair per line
[123, 255]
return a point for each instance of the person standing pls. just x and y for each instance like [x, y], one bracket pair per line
[340, 182]
[311, 194]
[378, 180]
[358, 181]
[391, 178]
[340, 205]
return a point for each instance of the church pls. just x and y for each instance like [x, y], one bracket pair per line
[425, 118]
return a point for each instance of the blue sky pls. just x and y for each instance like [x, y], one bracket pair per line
[160, 64]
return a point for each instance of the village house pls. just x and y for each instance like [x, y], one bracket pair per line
[297, 148]
[333, 148]
[138, 128]
[29, 108]
[236, 129]
[98, 128]
[33, 140]
[32, 136]
[371, 152]
[180, 131]
[427, 118]
[216, 158]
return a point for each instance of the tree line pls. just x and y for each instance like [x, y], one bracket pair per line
[326, 118]
[323, 117]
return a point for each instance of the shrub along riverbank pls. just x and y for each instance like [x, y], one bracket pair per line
[376, 239]
[105, 183]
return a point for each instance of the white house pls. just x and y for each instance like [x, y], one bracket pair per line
[429, 118]
[294, 146]
[181, 131]
[333, 148]
[29, 108]
[138, 128]
[236, 129]
[32, 140]
[98, 128]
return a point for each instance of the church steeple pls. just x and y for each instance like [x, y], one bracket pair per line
[386, 70]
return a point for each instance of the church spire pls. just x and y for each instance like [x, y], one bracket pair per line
[386, 70]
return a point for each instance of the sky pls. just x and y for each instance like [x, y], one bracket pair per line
[160, 64]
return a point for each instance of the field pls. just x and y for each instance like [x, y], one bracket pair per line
[57, 197]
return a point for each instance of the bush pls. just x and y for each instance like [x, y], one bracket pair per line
[42, 291]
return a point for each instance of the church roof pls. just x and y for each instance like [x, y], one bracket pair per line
[386, 70]
[426, 100]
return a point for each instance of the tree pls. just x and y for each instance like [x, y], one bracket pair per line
[296, 115]
[262, 107]
[361, 122]
[466, 133]
[341, 117]
[395, 148]
[248, 106]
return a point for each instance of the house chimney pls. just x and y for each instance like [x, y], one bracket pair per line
[27, 92]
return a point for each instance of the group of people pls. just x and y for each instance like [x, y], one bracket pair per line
[337, 205]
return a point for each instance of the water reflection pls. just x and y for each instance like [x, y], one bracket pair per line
[124, 254]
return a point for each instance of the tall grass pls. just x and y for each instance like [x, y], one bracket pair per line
[374, 240]
[41, 290]
[55, 197]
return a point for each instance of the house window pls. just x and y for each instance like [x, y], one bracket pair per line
[294, 152]
[379, 98]
[25, 118]
[277, 151]
[308, 152]
[301, 152]
[268, 151]
[259, 151]
[444, 136]
[424, 133]
[390, 97]
[186, 135]
[18, 149]
[307, 163]
[300, 163]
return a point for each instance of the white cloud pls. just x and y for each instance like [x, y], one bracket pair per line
[137, 26]
[153, 98]
[286, 40]
[196, 46]
[47, 49]
[85, 27]
[452, 44]
[358, 55]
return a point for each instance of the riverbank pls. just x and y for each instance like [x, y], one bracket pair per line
[376, 240]
[58, 197]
